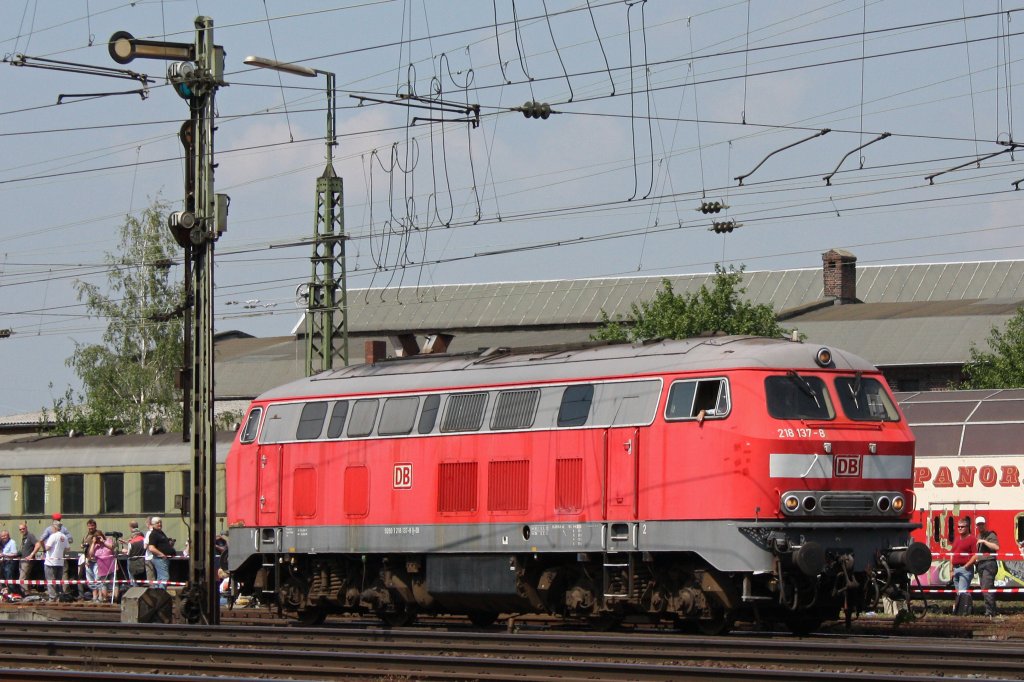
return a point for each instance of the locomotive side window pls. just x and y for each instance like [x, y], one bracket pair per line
[33, 494]
[464, 412]
[72, 493]
[515, 410]
[795, 396]
[281, 423]
[575, 407]
[112, 493]
[252, 424]
[398, 416]
[688, 399]
[428, 417]
[153, 490]
[364, 413]
[336, 426]
[864, 399]
[311, 421]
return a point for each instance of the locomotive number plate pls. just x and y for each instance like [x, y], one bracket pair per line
[846, 466]
[403, 475]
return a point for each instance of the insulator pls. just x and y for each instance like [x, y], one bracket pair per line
[527, 108]
[545, 110]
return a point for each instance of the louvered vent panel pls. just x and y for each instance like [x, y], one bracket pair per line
[465, 412]
[508, 486]
[456, 487]
[569, 485]
[515, 410]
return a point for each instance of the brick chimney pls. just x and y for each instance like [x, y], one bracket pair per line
[840, 275]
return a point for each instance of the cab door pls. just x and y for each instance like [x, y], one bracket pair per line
[269, 482]
[622, 466]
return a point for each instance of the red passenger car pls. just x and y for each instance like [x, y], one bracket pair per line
[700, 481]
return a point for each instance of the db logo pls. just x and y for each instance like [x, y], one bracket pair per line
[846, 465]
[403, 475]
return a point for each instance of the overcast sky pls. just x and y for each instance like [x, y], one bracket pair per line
[655, 106]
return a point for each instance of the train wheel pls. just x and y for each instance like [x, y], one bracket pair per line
[720, 622]
[482, 619]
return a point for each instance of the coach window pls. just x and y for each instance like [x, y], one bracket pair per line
[111, 493]
[311, 421]
[795, 396]
[515, 410]
[33, 494]
[575, 407]
[153, 490]
[691, 399]
[864, 399]
[336, 426]
[72, 489]
[464, 412]
[364, 413]
[252, 424]
[398, 416]
[5, 495]
[428, 417]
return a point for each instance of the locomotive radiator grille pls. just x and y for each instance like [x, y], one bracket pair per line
[847, 502]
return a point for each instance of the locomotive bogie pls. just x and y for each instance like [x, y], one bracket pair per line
[692, 480]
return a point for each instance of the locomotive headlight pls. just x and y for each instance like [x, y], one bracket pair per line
[824, 357]
[897, 504]
[884, 503]
[791, 503]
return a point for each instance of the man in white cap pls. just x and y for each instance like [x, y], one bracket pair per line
[985, 562]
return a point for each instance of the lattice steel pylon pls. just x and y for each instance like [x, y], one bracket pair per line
[327, 303]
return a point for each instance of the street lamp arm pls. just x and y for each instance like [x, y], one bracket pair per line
[287, 67]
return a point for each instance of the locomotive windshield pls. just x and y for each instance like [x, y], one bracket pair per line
[864, 399]
[794, 396]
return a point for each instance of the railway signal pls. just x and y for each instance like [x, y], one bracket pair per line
[196, 71]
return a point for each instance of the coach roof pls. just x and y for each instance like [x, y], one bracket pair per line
[497, 366]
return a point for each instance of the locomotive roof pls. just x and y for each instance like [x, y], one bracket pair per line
[68, 454]
[498, 366]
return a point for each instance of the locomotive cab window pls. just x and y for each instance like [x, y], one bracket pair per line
[336, 426]
[252, 425]
[428, 417]
[691, 398]
[311, 421]
[575, 407]
[865, 399]
[364, 413]
[796, 396]
[398, 416]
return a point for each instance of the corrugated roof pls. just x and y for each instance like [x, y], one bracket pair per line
[580, 301]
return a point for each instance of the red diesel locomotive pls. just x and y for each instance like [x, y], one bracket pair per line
[701, 481]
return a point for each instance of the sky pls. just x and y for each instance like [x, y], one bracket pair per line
[656, 106]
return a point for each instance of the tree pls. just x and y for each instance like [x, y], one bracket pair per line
[678, 316]
[1004, 366]
[128, 379]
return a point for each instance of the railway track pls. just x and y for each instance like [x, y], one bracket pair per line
[34, 650]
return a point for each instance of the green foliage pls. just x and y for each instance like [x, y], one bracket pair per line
[678, 316]
[1004, 366]
[128, 379]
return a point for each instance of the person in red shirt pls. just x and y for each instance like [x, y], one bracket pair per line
[963, 567]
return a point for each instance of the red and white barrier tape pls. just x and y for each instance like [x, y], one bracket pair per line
[975, 590]
[1010, 556]
[44, 583]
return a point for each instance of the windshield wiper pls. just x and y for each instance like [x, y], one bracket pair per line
[802, 384]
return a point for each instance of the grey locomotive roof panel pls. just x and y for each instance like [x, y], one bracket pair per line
[540, 365]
